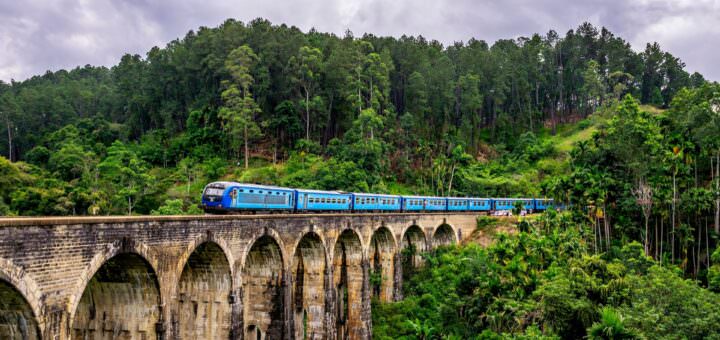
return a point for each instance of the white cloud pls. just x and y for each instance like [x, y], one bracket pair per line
[38, 35]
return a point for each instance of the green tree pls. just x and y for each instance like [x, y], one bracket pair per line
[127, 175]
[593, 85]
[309, 66]
[610, 327]
[239, 109]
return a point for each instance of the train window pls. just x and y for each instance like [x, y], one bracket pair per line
[242, 190]
[251, 190]
[260, 192]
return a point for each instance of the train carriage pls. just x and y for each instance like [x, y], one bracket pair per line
[542, 204]
[375, 202]
[424, 203]
[479, 204]
[317, 200]
[231, 196]
[458, 204]
[504, 204]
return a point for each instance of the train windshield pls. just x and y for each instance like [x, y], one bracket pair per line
[214, 191]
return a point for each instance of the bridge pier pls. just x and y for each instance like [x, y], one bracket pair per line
[179, 277]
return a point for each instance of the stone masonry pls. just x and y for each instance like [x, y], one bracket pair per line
[209, 277]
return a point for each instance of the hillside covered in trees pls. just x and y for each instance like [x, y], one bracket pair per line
[311, 110]
[628, 140]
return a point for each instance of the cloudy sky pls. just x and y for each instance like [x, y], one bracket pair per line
[40, 35]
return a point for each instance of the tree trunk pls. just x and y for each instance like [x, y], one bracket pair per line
[647, 236]
[307, 114]
[662, 232]
[655, 239]
[606, 223]
[452, 174]
[672, 243]
[245, 130]
[9, 133]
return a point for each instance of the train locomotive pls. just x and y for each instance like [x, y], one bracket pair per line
[232, 197]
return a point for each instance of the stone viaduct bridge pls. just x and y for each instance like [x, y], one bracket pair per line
[209, 277]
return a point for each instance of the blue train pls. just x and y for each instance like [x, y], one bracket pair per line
[228, 197]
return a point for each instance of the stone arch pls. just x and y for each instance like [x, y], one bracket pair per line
[18, 313]
[413, 244]
[26, 287]
[120, 246]
[444, 236]
[308, 291]
[381, 253]
[348, 276]
[121, 300]
[203, 294]
[198, 241]
[240, 261]
[263, 290]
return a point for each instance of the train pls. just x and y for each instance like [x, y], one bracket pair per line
[232, 197]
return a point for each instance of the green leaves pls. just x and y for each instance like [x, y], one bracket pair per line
[546, 284]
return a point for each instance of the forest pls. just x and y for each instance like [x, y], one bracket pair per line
[626, 138]
[272, 104]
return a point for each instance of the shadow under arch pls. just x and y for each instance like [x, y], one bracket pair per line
[204, 288]
[381, 254]
[28, 289]
[309, 265]
[444, 236]
[122, 299]
[348, 276]
[18, 320]
[120, 246]
[413, 245]
[263, 277]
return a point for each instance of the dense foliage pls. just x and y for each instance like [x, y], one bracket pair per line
[652, 177]
[629, 141]
[547, 283]
[272, 104]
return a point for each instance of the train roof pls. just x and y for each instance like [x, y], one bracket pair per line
[381, 195]
[431, 197]
[259, 186]
[311, 191]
